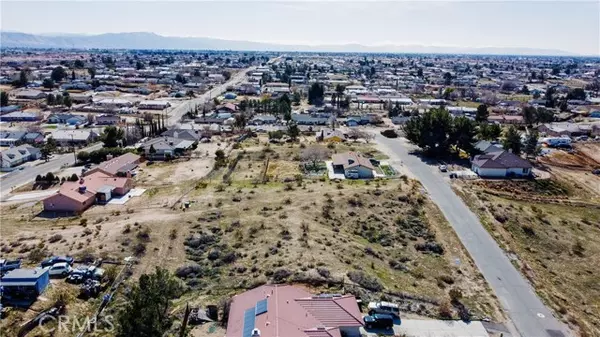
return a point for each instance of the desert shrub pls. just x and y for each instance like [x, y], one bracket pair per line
[37, 254]
[455, 295]
[173, 234]
[397, 265]
[224, 306]
[528, 230]
[193, 270]
[280, 275]
[446, 279]
[324, 272]
[431, 247]
[83, 222]
[445, 310]
[578, 248]
[139, 249]
[143, 234]
[55, 238]
[229, 258]
[364, 280]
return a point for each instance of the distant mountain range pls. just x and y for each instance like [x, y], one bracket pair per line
[155, 41]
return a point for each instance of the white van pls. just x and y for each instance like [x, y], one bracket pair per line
[60, 269]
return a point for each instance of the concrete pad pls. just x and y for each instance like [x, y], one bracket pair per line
[440, 328]
[331, 173]
[38, 195]
[134, 192]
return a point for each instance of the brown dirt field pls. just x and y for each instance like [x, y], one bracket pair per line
[311, 232]
[554, 245]
[585, 157]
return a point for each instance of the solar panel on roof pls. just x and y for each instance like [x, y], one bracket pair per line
[248, 322]
[261, 307]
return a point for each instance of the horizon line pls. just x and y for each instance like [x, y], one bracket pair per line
[563, 53]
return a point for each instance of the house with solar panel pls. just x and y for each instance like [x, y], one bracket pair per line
[289, 310]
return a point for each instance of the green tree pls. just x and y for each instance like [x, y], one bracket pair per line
[50, 100]
[543, 115]
[146, 310]
[316, 94]
[339, 89]
[531, 144]
[139, 65]
[293, 130]
[83, 156]
[111, 136]
[226, 74]
[529, 115]
[152, 150]
[512, 140]
[22, 81]
[525, 90]
[48, 148]
[3, 98]
[48, 83]
[576, 93]
[296, 98]
[447, 78]
[463, 133]
[67, 101]
[72, 75]
[430, 131]
[92, 72]
[240, 121]
[482, 113]
[489, 131]
[78, 64]
[58, 74]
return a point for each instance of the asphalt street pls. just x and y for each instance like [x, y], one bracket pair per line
[20, 177]
[529, 315]
[180, 110]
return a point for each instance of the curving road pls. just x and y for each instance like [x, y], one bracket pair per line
[528, 314]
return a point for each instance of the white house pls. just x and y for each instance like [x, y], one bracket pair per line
[500, 164]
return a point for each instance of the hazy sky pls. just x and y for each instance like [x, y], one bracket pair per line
[572, 26]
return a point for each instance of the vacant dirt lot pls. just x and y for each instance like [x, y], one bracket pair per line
[551, 230]
[379, 239]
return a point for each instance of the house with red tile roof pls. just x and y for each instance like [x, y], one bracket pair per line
[119, 166]
[96, 188]
[291, 311]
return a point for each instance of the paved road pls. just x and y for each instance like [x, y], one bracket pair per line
[28, 174]
[180, 110]
[529, 315]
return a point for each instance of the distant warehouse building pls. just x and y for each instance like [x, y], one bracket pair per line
[154, 105]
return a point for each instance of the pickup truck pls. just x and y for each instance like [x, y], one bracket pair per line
[6, 265]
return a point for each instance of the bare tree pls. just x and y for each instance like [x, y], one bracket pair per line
[314, 154]
[360, 134]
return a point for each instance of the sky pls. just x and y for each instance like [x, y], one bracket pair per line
[572, 26]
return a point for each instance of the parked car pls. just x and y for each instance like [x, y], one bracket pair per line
[6, 265]
[60, 269]
[384, 308]
[443, 168]
[379, 321]
[56, 259]
[596, 171]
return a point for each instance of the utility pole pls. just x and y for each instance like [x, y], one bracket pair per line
[74, 152]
